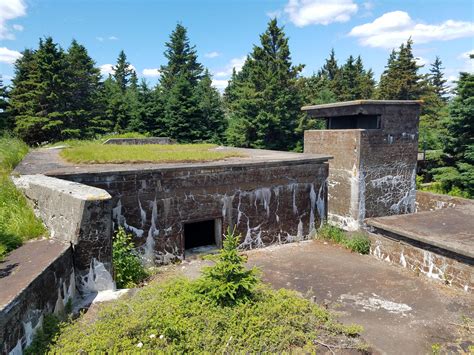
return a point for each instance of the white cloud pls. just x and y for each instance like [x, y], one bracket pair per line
[421, 61]
[319, 12]
[113, 38]
[393, 28]
[213, 54]
[18, 27]
[110, 38]
[368, 5]
[106, 69]
[466, 55]
[10, 9]
[236, 63]
[8, 56]
[100, 39]
[151, 72]
[220, 84]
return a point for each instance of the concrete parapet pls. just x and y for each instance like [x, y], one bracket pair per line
[73, 213]
[140, 141]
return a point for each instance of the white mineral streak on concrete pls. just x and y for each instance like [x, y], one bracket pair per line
[166, 207]
[251, 242]
[17, 350]
[142, 213]
[374, 303]
[109, 295]
[293, 186]
[68, 292]
[97, 279]
[31, 330]
[433, 272]
[121, 221]
[264, 195]
[312, 199]
[320, 205]
[149, 247]
[299, 236]
[403, 261]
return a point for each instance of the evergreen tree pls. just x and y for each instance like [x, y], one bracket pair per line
[39, 93]
[265, 105]
[400, 80]
[330, 69]
[83, 80]
[178, 84]
[6, 122]
[459, 149]
[123, 72]
[182, 59]
[437, 79]
[210, 106]
[365, 82]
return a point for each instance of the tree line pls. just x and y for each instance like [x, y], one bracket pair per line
[59, 94]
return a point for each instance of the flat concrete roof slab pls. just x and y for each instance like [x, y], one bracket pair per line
[47, 161]
[23, 265]
[448, 228]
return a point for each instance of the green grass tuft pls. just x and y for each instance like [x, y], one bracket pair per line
[97, 153]
[358, 242]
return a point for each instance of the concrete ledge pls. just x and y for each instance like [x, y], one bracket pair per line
[73, 213]
[429, 201]
[140, 141]
[36, 279]
[449, 229]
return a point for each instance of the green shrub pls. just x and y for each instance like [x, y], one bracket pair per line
[12, 151]
[358, 243]
[172, 317]
[229, 282]
[44, 337]
[129, 271]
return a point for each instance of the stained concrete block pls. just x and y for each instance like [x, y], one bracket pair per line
[73, 213]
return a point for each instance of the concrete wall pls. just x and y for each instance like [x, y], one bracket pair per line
[427, 261]
[428, 201]
[140, 141]
[268, 203]
[73, 213]
[41, 281]
[373, 171]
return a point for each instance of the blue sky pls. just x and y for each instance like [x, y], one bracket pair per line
[225, 31]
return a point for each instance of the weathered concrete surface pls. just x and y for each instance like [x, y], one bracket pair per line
[140, 141]
[373, 172]
[401, 313]
[35, 279]
[428, 201]
[451, 229]
[73, 213]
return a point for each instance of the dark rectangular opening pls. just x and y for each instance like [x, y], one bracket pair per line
[354, 122]
[199, 234]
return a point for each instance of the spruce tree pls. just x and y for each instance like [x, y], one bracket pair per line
[437, 79]
[212, 114]
[401, 80]
[265, 106]
[122, 72]
[6, 122]
[459, 149]
[83, 80]
[365, 82]
[178, 84]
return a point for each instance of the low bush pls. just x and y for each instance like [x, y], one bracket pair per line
[358, 243]
[129, 271]
[44, 336]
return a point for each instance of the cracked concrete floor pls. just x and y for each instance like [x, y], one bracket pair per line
[401, 313]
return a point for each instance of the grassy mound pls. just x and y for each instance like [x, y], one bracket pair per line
[17, 220]
[358, 242]
[94, 152]
[172, 317]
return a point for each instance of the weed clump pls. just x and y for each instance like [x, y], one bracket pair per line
[358, 242]
[129, 271]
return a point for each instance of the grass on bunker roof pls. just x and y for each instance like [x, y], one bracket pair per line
[96, 153]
